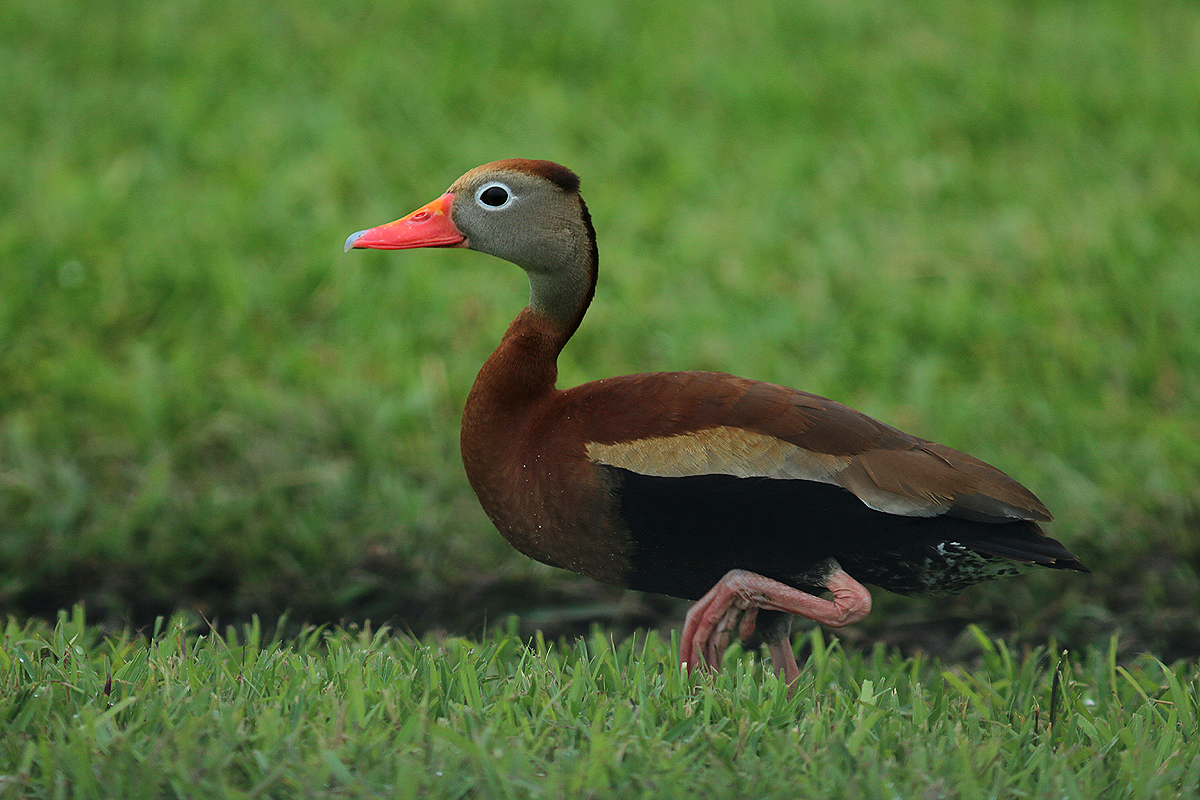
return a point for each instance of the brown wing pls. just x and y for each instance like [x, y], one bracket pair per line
[697, 423]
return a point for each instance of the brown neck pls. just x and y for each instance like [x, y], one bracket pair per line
[521, 372]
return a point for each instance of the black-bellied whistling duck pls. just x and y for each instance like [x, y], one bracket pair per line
[746, 496]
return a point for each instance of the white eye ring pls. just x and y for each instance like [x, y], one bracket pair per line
[488, 203]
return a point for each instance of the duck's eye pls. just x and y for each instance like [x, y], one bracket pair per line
[494, 195]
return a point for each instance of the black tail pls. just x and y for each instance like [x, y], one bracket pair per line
[1034, 548]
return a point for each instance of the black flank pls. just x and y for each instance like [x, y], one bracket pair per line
[690, 531]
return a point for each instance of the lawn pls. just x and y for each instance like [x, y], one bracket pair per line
[366, 713]
[978, 221]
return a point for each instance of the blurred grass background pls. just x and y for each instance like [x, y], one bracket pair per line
[979, 221]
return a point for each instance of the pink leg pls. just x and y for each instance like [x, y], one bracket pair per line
[784, 660]
[734, 603]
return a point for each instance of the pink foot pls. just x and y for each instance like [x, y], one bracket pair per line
[733, 604]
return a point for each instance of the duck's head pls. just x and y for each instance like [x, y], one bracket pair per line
[523, 211]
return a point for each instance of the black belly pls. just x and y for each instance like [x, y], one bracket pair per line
[690, 531]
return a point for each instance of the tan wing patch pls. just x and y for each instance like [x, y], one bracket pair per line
[922, 481]
[721, 450]
[725, 450]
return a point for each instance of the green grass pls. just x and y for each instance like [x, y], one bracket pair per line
[975, 220]
[353, 713]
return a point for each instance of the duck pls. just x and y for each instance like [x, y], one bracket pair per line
[758, 502]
